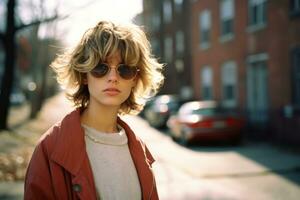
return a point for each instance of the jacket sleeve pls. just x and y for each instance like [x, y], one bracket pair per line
[38, 184]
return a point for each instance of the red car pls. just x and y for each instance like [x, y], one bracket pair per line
[205, 121]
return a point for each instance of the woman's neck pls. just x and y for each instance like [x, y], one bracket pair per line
[102, 119]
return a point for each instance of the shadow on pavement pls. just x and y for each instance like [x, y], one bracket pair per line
[276, 159]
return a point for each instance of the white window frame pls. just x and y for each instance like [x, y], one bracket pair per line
[179, 42]
[227, 17]
[205, 28]
[168, 48]
[179, 65]
[261, 17]
[207, 83]
[167, 11]
[155, 21]
[229, 78]
[155, 45]
[178, 5]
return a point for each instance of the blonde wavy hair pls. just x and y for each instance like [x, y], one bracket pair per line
[96, 45]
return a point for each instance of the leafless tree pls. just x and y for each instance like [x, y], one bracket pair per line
[8, 38]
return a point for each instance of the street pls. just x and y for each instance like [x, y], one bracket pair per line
[249, 171]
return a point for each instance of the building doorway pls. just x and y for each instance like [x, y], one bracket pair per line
[257, 94]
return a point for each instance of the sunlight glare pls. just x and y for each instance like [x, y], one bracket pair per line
[118, 11]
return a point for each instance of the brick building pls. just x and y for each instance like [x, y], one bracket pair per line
[246, 56]
[243, 53]
[167, 23]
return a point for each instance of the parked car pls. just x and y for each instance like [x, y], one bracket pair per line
[17, 97]
[160, 108]
[205, 121]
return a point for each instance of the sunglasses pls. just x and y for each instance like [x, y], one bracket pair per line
[124, 71]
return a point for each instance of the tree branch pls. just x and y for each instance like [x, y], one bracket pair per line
[41, 21]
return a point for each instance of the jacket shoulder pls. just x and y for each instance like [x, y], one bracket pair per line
[49, 138]
[52, 135]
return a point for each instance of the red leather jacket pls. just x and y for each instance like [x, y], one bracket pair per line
[60, 168]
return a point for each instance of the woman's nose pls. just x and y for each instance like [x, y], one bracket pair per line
[113, 74]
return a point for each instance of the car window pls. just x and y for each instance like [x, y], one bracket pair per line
[206, 111]
[173, 105]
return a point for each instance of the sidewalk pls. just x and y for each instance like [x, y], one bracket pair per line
[17, 144]
[251, 171]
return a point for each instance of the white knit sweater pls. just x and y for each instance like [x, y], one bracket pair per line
[114, 172]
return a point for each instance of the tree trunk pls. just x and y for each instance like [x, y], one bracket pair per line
[35, 71]
[8, 76]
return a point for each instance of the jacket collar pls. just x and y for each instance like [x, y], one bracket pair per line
[139, 155]
[70, 150]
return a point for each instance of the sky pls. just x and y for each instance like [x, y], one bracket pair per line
[85, 14]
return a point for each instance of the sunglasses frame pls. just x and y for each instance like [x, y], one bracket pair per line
[97, 75]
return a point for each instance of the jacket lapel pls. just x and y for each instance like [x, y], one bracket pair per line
[70, 153]
[139, 156]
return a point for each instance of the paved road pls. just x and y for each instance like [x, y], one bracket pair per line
[250, 171]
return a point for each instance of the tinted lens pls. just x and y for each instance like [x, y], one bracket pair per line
[100, 70]
[127, 72]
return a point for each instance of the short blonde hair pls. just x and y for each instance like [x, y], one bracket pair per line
[96, 45]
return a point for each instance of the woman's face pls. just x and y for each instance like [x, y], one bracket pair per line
[110, 90]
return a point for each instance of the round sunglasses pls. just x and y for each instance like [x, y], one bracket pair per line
[124, 71]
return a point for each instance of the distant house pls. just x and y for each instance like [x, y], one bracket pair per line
[246, 56]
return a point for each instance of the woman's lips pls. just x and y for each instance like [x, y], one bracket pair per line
[111, 91]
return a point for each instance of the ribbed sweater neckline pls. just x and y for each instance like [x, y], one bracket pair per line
[115, 139]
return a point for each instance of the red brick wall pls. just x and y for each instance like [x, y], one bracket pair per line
[276, 39]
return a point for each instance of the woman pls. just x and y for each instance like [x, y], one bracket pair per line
[92, 153]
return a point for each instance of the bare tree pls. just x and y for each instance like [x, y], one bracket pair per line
[40, 57]
[8, 38]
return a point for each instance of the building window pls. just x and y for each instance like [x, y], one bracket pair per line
[229, 82]
[179, 64]
[295, 7]
[205, 26]
[179, 42]
[155, 46]
[167, 9]
[206, 83]
[227, 15]
[168, 49]
[257, 12]
[155, 21]
[178, 5]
